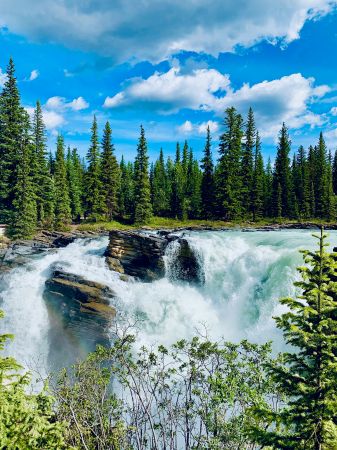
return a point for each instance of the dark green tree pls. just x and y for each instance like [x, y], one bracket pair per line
[258, 186]
[207, 183]
[12, 128]
[75, 176]
[248, 162]
[42, 176]
[110, 175]
[127, 189]
[307, 372]
[282, 176]
[94, 200]
[24, 217]
[161, 199]
[229, 172]
[321, 177]
[143, 207]
[62, 200]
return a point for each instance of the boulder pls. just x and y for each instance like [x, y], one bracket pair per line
[137, 254]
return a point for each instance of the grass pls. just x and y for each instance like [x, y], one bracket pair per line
[164, 222]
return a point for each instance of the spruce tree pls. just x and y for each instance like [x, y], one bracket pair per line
[161, 200]
[126, 190]
[282, 176]
[24, 217]
[110, 175]
[74, 176]
[61, 192]
[42, 177]
[307, 372]
[93, 179]
[229, 172]
[192, 195]
[248, 162]
[258, 185]
[334, 173]
[12, 128]
[321, 177]
[268, 191]
[301, 183]
[207, 183]
[143, 207]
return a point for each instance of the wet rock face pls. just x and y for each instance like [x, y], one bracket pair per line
[79, 313]
[136, 254]
[187, 265]
[142, 256]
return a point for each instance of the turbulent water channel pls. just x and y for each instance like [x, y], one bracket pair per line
[245, 275]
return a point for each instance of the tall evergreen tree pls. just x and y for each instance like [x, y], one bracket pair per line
[282, 175]
[229, 173]
[321, 177]
[258, 185]
[248, 162]
[23, 223]
[127, 189]
[93, 181]
[42, 177]
[207, 183]
[161, 199]
[74, 176]
[12, 128]
[62, 200]
[143, 207]
[308, 375]
[110, 175]
[301, 183]
[334, 173]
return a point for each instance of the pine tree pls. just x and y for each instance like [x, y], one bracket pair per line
[258, 186]
[74, 176]
[42, 177]
[229, 173]
[127, 190]
[248, 162]
[143, 208]
[334, 173]
[268, 191]
[321, 174]
[11, 130]
[192, 194]
[110, 175]
[178, 188]
[62, 200]
[161, 199]
[282, 175]
[207, 183]
[24, 217]
[330, 198]
[93, 179]
[308, 375]
[301, 183]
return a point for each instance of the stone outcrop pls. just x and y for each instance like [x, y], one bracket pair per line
[80, 316]
[141, 255]
[77, 292]
[137, 254]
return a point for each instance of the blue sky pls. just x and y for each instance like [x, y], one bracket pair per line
[174, 67]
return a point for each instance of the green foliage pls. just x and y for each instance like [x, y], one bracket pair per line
[207, 183]
[75, 183]
[143, 207]
[27, 421]
[307, 372]
[62, 200]
[110, 175]
[94, 198]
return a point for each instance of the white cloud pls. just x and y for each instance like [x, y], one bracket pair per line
[213, 127]
[61, 104]
[78, 104]
[128, 30]
[333, 111]
[286, 99]
[185, 128]
[52, 119]
[33, 75]
[171, 91]
[3, 78]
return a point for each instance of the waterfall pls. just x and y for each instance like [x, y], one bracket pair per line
[245, 275]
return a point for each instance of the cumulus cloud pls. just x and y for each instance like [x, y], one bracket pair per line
[61, 104]
[286, 99]
[33, 75]
[171, 91]
[125, 29]
[185, 128]
[3, 78]
[333, 111]
[52, 119]
[213, 127]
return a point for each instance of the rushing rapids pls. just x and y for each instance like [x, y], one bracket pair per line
[244, 276]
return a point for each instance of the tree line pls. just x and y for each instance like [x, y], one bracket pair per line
[40, 189]
[195, 394]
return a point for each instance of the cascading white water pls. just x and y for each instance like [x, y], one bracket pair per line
[245, 275]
